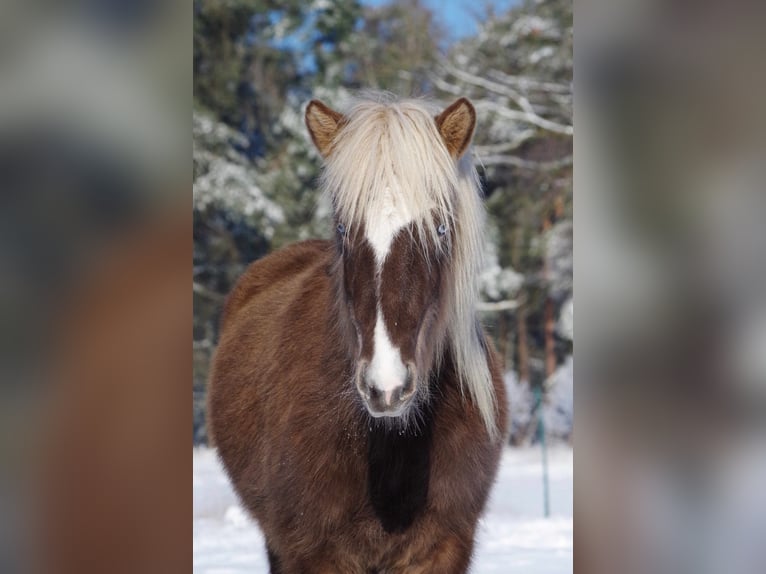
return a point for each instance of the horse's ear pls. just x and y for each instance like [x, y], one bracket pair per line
[323, 124]
[456, 125]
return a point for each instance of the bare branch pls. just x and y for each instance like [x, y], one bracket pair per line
[525, 83]
[533, 119]
[446, 86]
[526, 164]
[494, 306]
[505, 147]
[200, 289]
[495, 87]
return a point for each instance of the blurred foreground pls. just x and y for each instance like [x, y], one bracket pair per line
[671, 287]
[95, 306]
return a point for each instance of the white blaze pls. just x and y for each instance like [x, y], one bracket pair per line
[386, 370]
[381, 229]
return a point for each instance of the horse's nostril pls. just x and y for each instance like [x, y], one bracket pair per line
[388, 397]
[389, 402]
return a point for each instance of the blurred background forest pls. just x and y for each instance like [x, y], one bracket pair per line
[256, 65]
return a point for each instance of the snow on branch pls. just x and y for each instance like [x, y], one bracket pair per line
[527, 164]
[489, 85]
[529, 84]
[515, 143]
[531, 118]
[493, 306]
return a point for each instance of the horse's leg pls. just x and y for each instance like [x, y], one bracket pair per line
[275, 566]
[449, 556]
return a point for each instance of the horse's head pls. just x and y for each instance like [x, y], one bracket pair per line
[392, 175]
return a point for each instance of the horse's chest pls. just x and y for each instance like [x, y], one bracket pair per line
[388, 473]
[398, 475]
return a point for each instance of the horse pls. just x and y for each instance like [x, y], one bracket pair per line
[355, 402]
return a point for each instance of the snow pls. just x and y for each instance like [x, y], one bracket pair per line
[521, 403]
[565, 325]
[541, 54]
[497, 282]
[513, 537]
[527, 25]
[223, 175]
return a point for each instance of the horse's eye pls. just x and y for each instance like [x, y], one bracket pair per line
[341, 229]
[442, 229]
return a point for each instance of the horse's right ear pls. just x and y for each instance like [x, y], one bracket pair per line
[323, 124]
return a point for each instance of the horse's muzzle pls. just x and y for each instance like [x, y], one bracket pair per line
[390, 402]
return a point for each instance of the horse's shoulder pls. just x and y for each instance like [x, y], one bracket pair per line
[277, 267]
[288, 261]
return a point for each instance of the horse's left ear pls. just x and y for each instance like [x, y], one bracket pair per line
[323, 124]
[456, 125]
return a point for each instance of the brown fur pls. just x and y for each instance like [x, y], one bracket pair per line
[293, 433]
[359, 289]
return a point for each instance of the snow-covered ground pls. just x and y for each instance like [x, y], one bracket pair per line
[513, 536]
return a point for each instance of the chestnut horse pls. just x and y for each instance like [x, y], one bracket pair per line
[354, 400]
